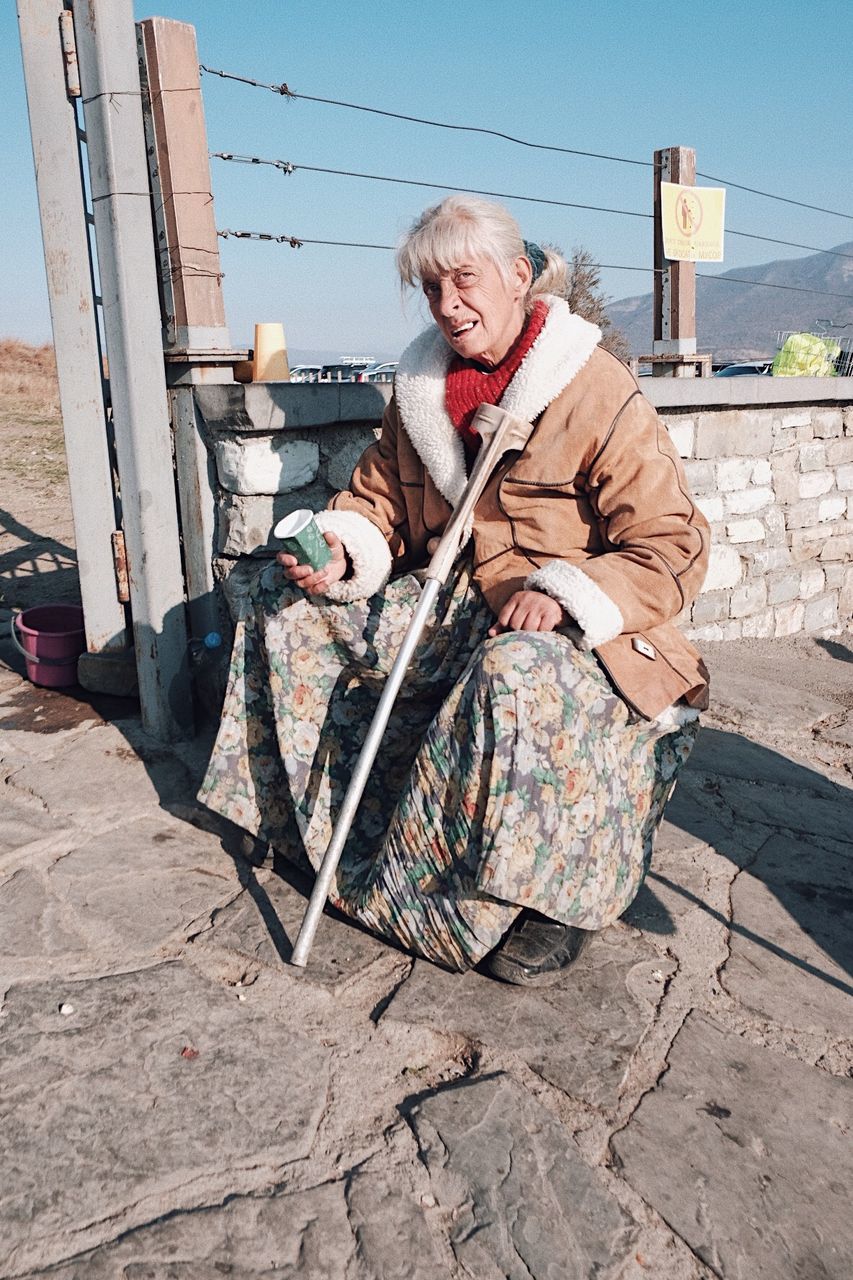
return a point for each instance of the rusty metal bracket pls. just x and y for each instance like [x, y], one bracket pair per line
[120, 563]
[69, 53]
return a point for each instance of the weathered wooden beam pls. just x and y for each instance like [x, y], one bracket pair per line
[118, 175]
[674, 282]
[54, 131]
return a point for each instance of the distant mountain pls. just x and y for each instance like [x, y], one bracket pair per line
[740, 321]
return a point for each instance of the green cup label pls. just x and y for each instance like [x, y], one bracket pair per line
[300, 536]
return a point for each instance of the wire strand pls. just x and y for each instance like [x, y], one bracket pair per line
[287, 167]
[296, 242]
[286, 92]
[768, 195]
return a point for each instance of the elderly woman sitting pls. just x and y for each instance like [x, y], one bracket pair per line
[551, 701]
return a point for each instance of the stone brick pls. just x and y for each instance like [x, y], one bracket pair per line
[786, 478]
[832, 508]
[789, 619]
[245, 524]
[338, 464]
[837, 548]
[815, 483]
[265, 464]
[713, 632]
[724, 569]
[746, 501]
[717, 631]
[834, 572]
[762, 472]
[768, 559]
[784, 587]
[731, 630]
[845, 599]
[839, 451]
[760, 626]
[711, 507]
[748, 598]
[844, 477]
[802, 514]
[682, 433]
[813, 456]
[812, 582]
[712, 607]
[774, 523]
[807, 544]
[826, 423]
[804, 434]
[799, 418]
[822, 612]
[734, 473]
[701, 476]
[734, 433]
[745, 531]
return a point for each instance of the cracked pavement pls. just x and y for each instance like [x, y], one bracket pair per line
[177, 1102]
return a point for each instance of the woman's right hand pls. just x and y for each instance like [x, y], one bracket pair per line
[317, 581]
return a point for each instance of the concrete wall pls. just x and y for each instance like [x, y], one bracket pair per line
[770, 462]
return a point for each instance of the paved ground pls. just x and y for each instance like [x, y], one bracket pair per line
[177, 1102]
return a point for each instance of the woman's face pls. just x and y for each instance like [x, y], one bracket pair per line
[479, 312]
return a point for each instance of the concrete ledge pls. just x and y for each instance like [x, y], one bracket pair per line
[289, 406]
[697, 393]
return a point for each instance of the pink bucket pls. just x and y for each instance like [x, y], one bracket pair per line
[51, 638]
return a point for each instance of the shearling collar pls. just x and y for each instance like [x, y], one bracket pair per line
[561, 350]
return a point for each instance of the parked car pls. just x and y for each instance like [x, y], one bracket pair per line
[305, 372]
[344, 370]
[383, 372]
[760, 368]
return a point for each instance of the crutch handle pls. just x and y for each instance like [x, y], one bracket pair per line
[500, 432]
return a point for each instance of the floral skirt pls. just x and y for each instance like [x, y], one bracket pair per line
[510, 775]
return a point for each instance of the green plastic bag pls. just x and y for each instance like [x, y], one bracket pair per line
[804, 355]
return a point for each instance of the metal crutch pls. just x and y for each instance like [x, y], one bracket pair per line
[500, 432]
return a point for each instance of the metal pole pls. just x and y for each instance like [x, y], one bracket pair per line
[53, 126]
[118, 172]
[501, 433]
[361, 774]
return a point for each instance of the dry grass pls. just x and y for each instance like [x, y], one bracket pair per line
[28, 379]
[32, 447]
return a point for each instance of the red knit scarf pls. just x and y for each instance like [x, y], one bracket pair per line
[468, 385]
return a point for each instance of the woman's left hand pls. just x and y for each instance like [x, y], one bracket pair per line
[529, 611]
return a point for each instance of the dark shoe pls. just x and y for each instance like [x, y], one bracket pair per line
[536, 951]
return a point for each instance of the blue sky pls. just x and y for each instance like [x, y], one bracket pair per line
[760, 90]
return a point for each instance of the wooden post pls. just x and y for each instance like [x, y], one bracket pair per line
[53, 126]
[118, 174]
[196, 340]
[674, 282]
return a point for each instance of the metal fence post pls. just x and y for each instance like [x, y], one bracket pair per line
[54, 130]
[118, 174]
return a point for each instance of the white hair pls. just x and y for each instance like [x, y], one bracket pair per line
[463, 227]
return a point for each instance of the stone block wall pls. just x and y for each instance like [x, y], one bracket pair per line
[776, 485]
[774, 480]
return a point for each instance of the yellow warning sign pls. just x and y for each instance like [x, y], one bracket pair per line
[693, 220]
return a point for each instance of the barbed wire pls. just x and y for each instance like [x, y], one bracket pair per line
[287, 167]
[285, 91]
[296, 242]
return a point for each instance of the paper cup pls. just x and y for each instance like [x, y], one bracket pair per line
[301, 537]
[270, 360]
